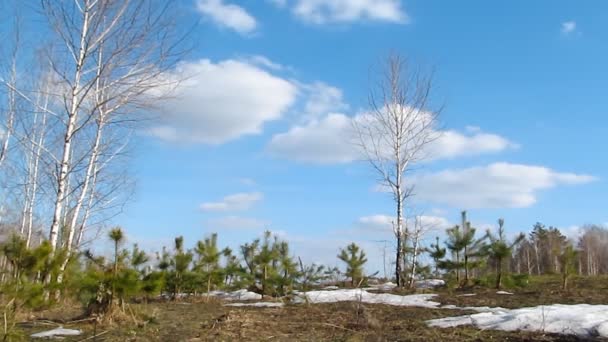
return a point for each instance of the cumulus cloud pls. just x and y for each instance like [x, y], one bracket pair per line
[568, 27]
[236, 202]
[220, 102]
[451, 144]
[331, 139]
[498, 185]
[324, 141]
[237, 222]
[227, 15]
[344, 11]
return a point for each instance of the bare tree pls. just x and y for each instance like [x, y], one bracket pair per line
[11, 97]
[395, 133]
[108, 62]
[117, 53]
[417, 234]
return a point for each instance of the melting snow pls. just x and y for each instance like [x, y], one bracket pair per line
[582, 319]
[236, 295]
[429, 283]
[503, 293]
[258, 304]
[355, 295]
[57, 332]
[383, 287]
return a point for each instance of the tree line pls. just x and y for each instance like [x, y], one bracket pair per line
[468, 256]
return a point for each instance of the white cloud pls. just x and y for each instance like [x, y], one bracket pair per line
[454, 144]
[263, 62]
[497, 185]
[236, 202]
[220, 102]
[227, 15]
[572, 232]
[331, 140]
[568, 27]
[322, 99]
[237, 222]
[384, 223]
[376, 222]
[324, 141]
[342, 11]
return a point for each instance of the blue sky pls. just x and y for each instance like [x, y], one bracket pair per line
[252, 141]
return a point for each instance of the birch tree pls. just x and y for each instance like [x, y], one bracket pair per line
[394, 135]
[420, 229]
[110, 57]
[9, 81]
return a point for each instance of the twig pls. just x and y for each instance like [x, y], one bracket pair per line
[42, 322]
[132, 314]
[337, 326]
[94, 336]
[82, 320]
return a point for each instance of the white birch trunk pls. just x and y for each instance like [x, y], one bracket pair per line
[65, 166]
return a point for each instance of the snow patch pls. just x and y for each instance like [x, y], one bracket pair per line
[503, 293]
[356, 295]
[257, 305]
[58, 332]
[236, 295]
[467, 295]
[384, 287]
[429, 283]
[582, 319]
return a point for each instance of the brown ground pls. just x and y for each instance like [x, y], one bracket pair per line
[212, 321]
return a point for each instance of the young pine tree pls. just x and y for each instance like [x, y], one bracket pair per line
[288, 268]
[310, 275]
[266, 260]
[474, 248]
[355, 258]
[117, 236]
[209, 261]
[455, 244]
[138, 259]
[233, 270]
[467, 248]
[437, 254]
[180, 265]
[499, 249]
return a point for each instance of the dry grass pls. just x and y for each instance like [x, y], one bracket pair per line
[322, 322]
[541, 291]
[203, 320]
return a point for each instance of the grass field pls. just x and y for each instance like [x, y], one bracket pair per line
[199, 320]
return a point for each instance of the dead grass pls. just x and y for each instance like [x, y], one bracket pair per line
[540, 291]
[203, 320]
[319, 322]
